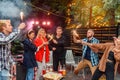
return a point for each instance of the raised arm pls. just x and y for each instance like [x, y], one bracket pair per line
[8, 39]
[97, 47]
[11, 36]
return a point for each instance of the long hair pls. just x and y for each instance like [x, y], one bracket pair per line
[40, 31]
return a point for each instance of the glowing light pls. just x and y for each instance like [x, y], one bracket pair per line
[21, 15]
[36, 22]
[32, 22]
[43, 23]
[48, 23]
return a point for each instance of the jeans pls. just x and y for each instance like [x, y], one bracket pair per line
[30, 74]
[4, 74]
[39, 70]
[109, 72]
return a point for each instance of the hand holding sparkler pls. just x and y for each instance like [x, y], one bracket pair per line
[50, 36]
[75, 34]
[21, 26]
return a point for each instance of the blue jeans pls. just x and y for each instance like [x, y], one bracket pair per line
[30, 74]
[4, 74]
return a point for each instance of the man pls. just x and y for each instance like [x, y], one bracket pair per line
[6, 59]
[57, 46]
[89, 57]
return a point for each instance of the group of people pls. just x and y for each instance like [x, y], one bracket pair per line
[37, 51]
[110, 56]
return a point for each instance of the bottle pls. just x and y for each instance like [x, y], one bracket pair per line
[47, 69]
[44, 70]
[60, 69]
[64, 70]
[51, 69]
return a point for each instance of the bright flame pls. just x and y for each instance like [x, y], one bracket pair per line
[50, 36]
[75, 33]
[21, 15]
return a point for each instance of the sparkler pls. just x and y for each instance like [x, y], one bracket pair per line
[74, 32]
[21, 16]
[50, 36]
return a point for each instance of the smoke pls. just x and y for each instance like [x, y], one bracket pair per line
[10, 9]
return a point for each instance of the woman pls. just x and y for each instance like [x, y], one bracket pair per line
[42, 54]
[109, 60]
[29, 55]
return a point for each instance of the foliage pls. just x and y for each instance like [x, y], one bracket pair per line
[17, 47]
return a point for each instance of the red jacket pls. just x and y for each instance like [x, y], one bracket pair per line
[39, 54]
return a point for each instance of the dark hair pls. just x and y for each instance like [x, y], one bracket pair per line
[59, 27]
[1, 26]
[29, 32]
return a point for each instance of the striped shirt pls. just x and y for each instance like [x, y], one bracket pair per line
[5, 49]
[93, 56]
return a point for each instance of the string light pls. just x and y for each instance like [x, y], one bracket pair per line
[49, 12]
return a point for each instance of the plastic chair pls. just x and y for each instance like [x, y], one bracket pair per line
[70, 58]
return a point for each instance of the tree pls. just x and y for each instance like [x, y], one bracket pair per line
[110, 6]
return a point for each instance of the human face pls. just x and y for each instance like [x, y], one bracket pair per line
[90, 33]
[59, 31]
[8, 28]
[31, 35]
[42, 33]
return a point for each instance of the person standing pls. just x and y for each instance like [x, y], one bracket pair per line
[42, 53]
[89, 58]
[57, 46]
[6, 37]
[29, 55]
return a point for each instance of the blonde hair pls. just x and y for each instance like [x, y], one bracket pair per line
[1, 26]
[40, 32]
[3, 23]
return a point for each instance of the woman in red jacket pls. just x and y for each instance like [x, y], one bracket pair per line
[42, 54]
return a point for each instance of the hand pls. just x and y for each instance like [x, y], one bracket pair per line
[54, 41]
[22, 26]
[53, 48]
[45, 43]
[83, 42]
[13, 70]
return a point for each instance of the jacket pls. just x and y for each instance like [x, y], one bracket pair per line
[29, 54]
[41, 51]
[105, 48]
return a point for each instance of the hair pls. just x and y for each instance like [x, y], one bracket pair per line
[59, 27]
[29, 32]
[91, 30]
[39, 31]
[1, 26]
